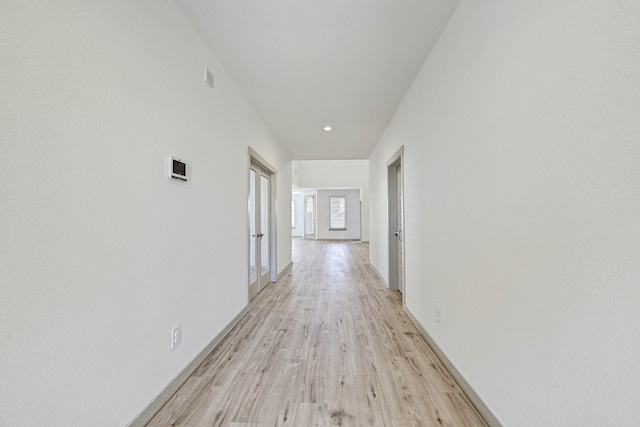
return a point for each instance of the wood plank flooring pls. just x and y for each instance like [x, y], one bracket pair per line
[326, 345]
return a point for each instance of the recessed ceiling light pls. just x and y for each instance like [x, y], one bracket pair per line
[327, 128]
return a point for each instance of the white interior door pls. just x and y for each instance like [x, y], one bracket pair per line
[309, 217]
[259, 229]
[253, 226]
[265, 235]
[399, 235]
[395, 223]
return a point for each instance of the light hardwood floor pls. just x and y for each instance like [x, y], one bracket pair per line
[326, 345]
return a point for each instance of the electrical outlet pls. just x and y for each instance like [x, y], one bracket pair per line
[176, 336]
[437, 312]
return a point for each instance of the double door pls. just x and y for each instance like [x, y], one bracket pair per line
[259, 229]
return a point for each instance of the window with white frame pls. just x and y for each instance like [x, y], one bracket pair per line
[337, 213]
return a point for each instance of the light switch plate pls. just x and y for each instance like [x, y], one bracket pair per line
[176, 336]
[208, 77]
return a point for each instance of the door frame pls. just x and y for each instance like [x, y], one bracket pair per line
[392, 214]
[254, 158]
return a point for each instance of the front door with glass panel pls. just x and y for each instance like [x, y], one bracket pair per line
[259, 232]
[309, 217]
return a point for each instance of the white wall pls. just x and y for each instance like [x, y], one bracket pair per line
[352, 199]
[101, 255]
[283, 201]
[294, 173]
[521, 138]
[337, 174]
[298, 230]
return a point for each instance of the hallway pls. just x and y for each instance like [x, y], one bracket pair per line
[326, 345]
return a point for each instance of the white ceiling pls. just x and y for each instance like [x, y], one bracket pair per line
[305, 64]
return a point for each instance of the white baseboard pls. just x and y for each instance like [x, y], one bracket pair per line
[484, 410]
[163, 397]
[382, 279]
[284, 270]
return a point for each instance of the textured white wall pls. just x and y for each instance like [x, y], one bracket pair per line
[294, 173]
[337, 174]
[522, 186]
[101, 255]
[283, 203]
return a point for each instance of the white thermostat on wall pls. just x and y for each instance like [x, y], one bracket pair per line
[177, 169]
